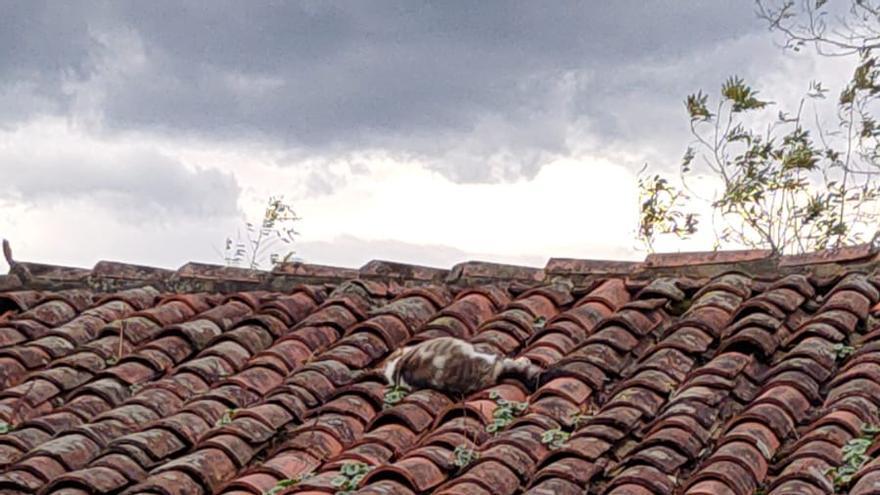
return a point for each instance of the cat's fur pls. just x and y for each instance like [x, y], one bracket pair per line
[454, 366]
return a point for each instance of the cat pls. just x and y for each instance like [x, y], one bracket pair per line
[453, 366]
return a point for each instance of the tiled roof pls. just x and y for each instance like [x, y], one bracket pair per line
[727, 373]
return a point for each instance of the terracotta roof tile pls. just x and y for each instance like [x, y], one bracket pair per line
[705, 258]
[702, 373]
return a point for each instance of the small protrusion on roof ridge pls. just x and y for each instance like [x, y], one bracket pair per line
[7, 253]
[40, 275]
[405, 271]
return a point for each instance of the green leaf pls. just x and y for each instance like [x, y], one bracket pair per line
[554, 438]
[870, 429]
[853, 458]
[350, 469]
[463, 456]
[687, 159]
[394, 395]
[227, 417]
[741, 95]
[696, 107]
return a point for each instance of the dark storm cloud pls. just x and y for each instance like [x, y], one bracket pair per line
[458, 84]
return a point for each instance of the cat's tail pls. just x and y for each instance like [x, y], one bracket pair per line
[522, 370]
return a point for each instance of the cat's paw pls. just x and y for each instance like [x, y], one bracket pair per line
[523, 362]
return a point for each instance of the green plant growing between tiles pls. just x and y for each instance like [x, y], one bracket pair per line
[393, 395]
[5, 427]
[505, 412]
[853, 457]
[350, 475]
[554, 438]
[843, 351]
[580, 416]
[463, 456]
[287, 483]
[227, 417]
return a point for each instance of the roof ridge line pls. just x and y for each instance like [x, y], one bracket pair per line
[199, 276]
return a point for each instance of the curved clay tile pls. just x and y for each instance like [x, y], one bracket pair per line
[700, 373]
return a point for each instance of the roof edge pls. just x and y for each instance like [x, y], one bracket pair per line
[108, 276]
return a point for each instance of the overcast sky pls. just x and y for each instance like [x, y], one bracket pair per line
[424, 132]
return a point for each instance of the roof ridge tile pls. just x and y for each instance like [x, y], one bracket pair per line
[312, 270]
[576, 266]
[668, 260]
[109, 276]
[407, 271]
[489, 271]
[865, 251]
